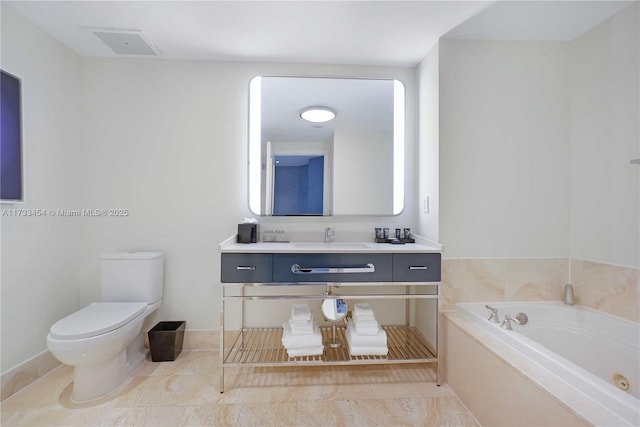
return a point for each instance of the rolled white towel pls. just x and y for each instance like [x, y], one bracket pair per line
[305, 351]
[289, 340]
[362, 309]
[301, 327]
[380, 339]
[300, 312]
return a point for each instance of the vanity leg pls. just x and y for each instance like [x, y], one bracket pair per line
[221, 352]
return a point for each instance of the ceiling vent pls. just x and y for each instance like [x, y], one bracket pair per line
[126, 42]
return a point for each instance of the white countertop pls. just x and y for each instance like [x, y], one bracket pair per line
[422, 245]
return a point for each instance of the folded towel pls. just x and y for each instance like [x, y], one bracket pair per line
[362, 308]
[368, 350]
[366, 323]
[367, 329]
[301, 327]
[305, 351]
[380, 339]
[290, 341]
[363, 317]
[300, 312]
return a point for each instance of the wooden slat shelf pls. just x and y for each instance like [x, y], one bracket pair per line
[263, 346]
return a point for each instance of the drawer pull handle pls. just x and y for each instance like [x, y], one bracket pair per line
[296, 269]
[246, 267]
[417, 267]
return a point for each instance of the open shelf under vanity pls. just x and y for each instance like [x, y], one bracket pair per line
[263, 347]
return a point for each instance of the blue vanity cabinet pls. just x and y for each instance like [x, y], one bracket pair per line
[266, 275]
[246, 268]
[336, 267]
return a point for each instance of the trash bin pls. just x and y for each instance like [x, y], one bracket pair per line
[165, 340]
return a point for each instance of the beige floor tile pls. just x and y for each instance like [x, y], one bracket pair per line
[324, 413]
[171, 390]
[186, 393]
[266, 414]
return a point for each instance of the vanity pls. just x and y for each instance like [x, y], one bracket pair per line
[401, 282]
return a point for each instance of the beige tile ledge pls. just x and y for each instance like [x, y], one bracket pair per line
[18, 377]
[585, 408]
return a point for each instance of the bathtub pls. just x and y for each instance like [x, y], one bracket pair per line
[596, 353]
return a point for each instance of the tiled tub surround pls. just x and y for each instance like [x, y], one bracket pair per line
[498, 377]
[583, 349]
[609, 288]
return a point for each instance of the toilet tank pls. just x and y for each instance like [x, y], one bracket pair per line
[132, 277]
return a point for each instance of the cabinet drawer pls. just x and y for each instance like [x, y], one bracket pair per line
[332, 268]
[416, 267]
[246, 268]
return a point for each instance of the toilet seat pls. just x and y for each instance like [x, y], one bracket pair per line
[95, 319]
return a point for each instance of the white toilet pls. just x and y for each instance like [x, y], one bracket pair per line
[104, 341]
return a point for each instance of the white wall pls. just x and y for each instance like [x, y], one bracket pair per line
[367, 187]
[168, 141]
[504, 156]
[604, 77]
[429, 145]
[42, 257]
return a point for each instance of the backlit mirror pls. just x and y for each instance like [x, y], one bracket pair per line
[351, 162]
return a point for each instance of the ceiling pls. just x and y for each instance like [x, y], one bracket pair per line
[393, 33]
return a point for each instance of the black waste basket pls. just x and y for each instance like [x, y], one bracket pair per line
[165, 340]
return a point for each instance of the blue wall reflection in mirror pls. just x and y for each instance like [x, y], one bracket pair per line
[10, 139]
[298, 185]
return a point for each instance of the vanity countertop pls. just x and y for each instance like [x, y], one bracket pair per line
[422, 245]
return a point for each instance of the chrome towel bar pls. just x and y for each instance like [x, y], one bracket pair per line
[296, 269]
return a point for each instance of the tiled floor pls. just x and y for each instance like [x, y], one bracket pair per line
[185, 393]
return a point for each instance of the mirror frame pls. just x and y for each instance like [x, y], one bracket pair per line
[254, 150]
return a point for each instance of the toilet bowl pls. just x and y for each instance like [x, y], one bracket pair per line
[104, 340]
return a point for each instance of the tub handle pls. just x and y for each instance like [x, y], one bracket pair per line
[520, 319]
[494, 314]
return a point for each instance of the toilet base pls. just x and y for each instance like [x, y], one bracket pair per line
[91, 382]
[136, 353]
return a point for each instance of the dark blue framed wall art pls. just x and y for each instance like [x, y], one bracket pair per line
[11, 185]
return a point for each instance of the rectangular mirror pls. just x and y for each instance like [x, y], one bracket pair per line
[349, 162]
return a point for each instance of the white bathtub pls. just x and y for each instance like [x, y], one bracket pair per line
[584, 347]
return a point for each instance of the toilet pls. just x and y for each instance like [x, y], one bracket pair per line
[104, 340]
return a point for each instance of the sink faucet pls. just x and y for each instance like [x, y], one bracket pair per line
[329, 234]
[568, 294]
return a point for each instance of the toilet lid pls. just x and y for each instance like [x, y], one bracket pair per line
[95, 319]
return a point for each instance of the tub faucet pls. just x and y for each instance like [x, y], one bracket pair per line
[493, 317]
[520, 319]
[568, 294]
[329, 234]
